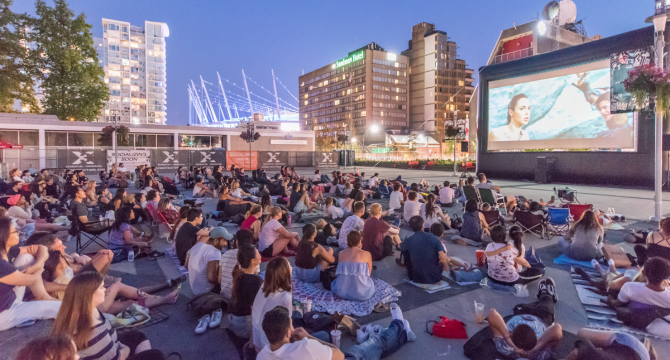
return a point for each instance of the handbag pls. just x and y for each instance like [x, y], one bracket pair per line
[456, 222]
[327, 276]
[446, 328]
[206, 304]
[134, 315]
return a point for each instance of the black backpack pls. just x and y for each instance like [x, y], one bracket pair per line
[456, 222]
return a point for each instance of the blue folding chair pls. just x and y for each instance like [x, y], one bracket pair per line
[558, 221]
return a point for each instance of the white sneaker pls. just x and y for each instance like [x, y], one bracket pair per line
[362, 334]
[396, 313]
[202, 325]
[410, 334]
[216, 318]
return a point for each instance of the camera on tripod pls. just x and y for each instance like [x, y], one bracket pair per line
[566, 194]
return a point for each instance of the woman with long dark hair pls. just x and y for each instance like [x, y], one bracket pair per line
[311, 257]
[92, 333]
[518, 116]
[246, 284]
[432, 214]
[13, 283]
[584, 239]
[117, 200]
[121, 239]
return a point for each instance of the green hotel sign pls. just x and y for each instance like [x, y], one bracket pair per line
[351, 58]
[383, 150]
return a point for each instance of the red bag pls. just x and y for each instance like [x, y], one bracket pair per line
[448, 329]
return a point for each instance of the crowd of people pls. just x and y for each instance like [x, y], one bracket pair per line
[345, 229]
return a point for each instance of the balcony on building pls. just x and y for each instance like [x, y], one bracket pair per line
[514, 55]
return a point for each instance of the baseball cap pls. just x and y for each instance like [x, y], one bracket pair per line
[219, 232]
[14, 199]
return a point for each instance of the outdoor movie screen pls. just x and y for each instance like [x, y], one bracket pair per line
[561, 109]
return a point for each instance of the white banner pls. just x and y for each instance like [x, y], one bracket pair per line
[288, 142]
[129, 158]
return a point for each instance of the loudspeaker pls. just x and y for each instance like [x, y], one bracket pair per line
[464, 146]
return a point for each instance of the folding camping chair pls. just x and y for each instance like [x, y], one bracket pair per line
[91, 232]
[164, 227]
[471, 193]
[558, 221]
[530, 222]
[493, 218]
[577, 210]
[487, 196]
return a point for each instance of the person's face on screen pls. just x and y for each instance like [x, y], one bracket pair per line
[521, 113]
[604, 108]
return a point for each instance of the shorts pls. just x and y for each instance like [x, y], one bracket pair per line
[196, 195]
[300, 206]
[268, 251]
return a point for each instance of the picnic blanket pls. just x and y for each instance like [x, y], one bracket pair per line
[326, 301]
[565, 260]
[599, 315]
[430, 288]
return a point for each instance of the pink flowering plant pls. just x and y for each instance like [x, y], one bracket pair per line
[245, 136]
[647, 82]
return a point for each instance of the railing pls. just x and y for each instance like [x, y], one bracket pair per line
[515, 55]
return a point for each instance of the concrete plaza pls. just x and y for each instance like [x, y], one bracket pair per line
[177, 332]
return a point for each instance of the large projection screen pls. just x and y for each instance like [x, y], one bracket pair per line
[561, 109]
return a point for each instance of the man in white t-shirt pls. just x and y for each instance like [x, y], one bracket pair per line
[653, 292]
[447, 195]
[372, 183]
[397, 199]
[202, 262]
[352, 223]
[229, 260]
[412, 206]
[287, 343]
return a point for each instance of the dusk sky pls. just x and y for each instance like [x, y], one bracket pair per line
[292, 36]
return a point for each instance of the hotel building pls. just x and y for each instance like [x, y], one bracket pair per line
[367, 87]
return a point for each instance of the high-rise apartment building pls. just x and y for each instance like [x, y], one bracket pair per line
[440, 85]
[134, 62]
[367, 87]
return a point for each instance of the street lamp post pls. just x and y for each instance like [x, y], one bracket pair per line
[659, 29]
[455, 126]
[115, 121]
[373, 129]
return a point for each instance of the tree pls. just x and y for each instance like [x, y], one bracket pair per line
[324, 143]
[15, 63]
[71, 77]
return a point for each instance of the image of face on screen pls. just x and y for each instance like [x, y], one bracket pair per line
[557, 112]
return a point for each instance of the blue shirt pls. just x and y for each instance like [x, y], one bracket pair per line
[424, 251]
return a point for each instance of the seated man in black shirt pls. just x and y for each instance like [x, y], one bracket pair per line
[188, 234]
[78, 210]
[15, 188]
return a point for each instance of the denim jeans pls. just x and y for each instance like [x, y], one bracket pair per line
[382, 345]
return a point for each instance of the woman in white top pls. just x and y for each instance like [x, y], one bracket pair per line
[397, 198]
[316, 178]
[236, 190]
[526, 272]
[274, 238]
[276, 291]
[412, 206]
[200, 189]
[432, 213]
[332, 211]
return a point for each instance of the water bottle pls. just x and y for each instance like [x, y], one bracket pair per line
[101, 218]
[131, 255]
[181, 199]
[289, 221]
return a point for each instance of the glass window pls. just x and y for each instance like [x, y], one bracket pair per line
[56, 138]
[185, 140]
[128, 141]
[201, 141]
[10, 137]
[217, 141]
[166, 141]
[100, 140]
[80, 139]
[30, 138]
[145, 140]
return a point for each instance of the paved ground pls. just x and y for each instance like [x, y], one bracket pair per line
[176, 333]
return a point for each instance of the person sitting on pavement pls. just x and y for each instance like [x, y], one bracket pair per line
[276, 291]
[513, 253]
[200, 189]
[299, 201]
[432, 213]
[332, 211]
[379, 238]
[324, 233]
[532, 330]
[583, 240]
[412, 206]
[397, 199]
[203, 261]
[374, 179]
[287, 343]
[427, 254]
[189, 234]
[310, 257]
[253, 221]
[656, 244]
[609, 345]
[122, 240]
[245, 285]
[474, 224]
[354, 268]
[274, 238]
[168, 211]
[92, 333]
[229, 260]
[447, 196]
[352, 223]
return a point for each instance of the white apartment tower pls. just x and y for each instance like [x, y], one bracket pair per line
[134, 62]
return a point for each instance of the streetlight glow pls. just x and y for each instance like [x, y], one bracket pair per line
[374, 128]
[353, 140]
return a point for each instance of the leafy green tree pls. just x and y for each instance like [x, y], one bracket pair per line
[71, 77]
[15, 63]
